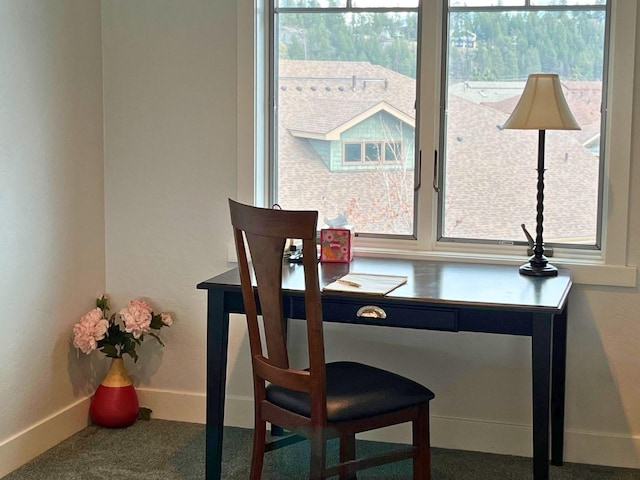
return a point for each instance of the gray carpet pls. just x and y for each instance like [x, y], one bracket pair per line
[159, 449]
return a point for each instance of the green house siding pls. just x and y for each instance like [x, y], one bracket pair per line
[324, 151]
[381, 127]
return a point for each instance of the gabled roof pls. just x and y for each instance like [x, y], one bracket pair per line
[346, 115]
[323, 99]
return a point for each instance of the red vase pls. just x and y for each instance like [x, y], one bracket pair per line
[115, 403]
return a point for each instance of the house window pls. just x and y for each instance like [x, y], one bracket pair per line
[352, 153]
[369, 153]
[372, 152]
[393, 152]
[344, 88]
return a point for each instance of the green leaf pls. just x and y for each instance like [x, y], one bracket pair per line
[144, 413]
[132, 353]
[156, 322]
[102, 303]
[110, 351]
[157, 338]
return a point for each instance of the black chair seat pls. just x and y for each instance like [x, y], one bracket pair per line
[355, 391]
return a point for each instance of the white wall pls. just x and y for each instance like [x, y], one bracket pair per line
[170, 76]
[52, 259]
[170, 123]
[169, 102]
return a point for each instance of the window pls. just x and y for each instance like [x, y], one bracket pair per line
[427, 230]
[381, 152]
[488, 176]
[352, 153]
[343, 126]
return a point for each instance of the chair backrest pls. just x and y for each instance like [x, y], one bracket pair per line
[261, 234]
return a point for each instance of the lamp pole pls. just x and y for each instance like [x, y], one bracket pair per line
[539, 265]
[541, 107]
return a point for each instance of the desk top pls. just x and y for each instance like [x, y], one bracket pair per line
[463, 284]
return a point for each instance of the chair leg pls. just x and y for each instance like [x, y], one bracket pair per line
[421, 442]
[257, 458]
[318, 456]
[347, 452]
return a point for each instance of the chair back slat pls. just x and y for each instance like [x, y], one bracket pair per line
[261, 234]
[266, 258]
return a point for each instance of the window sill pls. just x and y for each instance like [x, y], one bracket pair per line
[585, 271]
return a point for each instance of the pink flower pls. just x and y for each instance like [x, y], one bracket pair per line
[136, 317]
[141, 303]
[166, 319]
[118, 334]
[91, 328]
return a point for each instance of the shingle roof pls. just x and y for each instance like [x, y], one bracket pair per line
[326, 93]
[490, 172]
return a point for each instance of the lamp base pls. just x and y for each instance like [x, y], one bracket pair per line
[547, 270]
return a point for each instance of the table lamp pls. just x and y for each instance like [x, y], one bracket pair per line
[541, 107]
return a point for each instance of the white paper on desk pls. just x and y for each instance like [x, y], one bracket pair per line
[370, 283]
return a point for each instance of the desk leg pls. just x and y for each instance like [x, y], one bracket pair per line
[217, 343]
[541, 364]
[558, 374]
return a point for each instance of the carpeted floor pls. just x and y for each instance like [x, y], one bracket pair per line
[164, 450]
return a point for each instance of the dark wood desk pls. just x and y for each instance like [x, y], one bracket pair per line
[453, 297]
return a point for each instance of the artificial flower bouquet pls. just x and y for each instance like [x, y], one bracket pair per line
[121, 332]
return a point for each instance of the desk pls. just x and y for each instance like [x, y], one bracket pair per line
[452, 297]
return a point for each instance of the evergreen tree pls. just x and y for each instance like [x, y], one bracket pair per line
[507, 46]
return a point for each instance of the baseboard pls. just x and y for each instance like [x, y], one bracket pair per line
[28, 444]
[176, 406]
[455, 433]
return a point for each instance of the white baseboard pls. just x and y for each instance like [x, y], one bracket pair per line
[176, 406]
[40, 437]
[456, 433]
[464, 434]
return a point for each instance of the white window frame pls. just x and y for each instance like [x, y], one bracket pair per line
[607, 266]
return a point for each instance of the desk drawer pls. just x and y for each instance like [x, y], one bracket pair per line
[407, 316]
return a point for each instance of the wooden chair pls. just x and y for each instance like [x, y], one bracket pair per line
[325, 401]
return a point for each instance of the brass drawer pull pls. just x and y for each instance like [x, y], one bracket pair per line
[371, 311]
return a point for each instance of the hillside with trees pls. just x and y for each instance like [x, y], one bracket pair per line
[505, 45]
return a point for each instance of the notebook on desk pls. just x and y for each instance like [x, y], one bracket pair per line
[369, 283]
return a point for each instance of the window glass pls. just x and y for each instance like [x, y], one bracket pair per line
[372, 152]
[490, 173]
[521, 3]
[392, 151]
[353, 152]
[344, 87]
[569, 2]
[486, 3]
[386, 3]
[310, 3]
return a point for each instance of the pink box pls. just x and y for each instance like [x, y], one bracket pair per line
[336, 245]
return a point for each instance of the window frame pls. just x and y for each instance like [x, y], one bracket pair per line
[531, 7]
[607, 266]
[271, 192]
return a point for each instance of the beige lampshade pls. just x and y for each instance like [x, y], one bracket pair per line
[542, 106]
